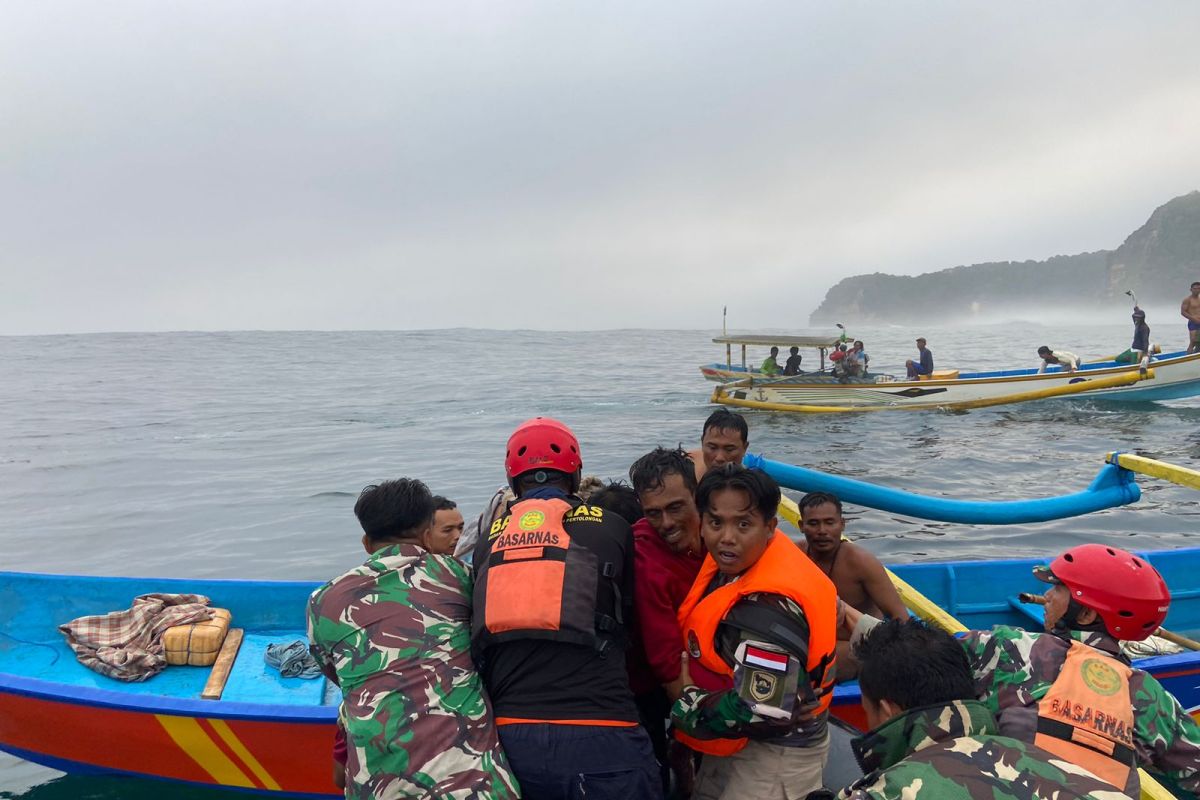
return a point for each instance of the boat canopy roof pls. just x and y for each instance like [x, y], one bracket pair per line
[781, 341]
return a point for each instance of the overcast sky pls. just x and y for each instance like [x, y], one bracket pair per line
[284, 165]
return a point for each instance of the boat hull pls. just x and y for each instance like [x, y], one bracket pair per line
[1172, 377]
[277, 755]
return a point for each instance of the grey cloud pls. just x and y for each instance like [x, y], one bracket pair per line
[300, 165]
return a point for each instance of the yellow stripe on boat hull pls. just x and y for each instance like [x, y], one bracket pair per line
[1109, 382]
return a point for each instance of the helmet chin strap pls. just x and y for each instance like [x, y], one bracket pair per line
[1069, 621]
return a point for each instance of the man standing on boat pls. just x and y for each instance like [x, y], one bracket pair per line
[1070, 690]
[724, 439]
[413, 707]
[924, 363]
[1190, 309]
[553, 597]
[761, 615]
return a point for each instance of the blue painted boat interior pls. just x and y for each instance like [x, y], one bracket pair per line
[33, 606]
[1007, 373]
[980, 594]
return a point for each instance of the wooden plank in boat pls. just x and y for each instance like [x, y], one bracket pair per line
[222, 666]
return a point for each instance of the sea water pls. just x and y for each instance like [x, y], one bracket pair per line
[240, 455]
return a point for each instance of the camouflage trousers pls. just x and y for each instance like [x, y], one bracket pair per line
[762, 771]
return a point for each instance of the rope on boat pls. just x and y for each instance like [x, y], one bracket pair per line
[1155, 469]
[50, 647]
[1112, 487]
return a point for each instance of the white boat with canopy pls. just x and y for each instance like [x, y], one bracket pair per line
[1163, 377]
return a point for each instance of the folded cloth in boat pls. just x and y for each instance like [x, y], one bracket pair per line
[293, 660]
[127, 645]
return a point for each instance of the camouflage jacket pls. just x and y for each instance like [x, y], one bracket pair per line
[397, 633]
[952, 751]
[725, 715]
[1015, 668]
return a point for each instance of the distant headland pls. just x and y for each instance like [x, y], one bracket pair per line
[1157, 262]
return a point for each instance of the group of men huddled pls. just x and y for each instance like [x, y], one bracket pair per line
[693, 650]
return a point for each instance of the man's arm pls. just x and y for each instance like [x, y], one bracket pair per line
[658, 627]
[1168, 739]
[718, 715]
[878, 586]
[1193, 315]
[628, 581]
[322, 656]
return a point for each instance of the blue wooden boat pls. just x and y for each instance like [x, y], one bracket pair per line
[266, 734]
[274, 735]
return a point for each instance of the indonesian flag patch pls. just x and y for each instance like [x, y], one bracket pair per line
[767, 659]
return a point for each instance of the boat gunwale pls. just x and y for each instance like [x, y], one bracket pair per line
[74, 694]
[1019, 376]
[91, 697]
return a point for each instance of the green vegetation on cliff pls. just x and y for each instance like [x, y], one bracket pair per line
[1157, 261]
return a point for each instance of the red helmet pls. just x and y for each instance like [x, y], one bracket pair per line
[1127, 593]
[542, 443]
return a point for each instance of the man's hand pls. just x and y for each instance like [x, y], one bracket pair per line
[675, 687]
[848, 617]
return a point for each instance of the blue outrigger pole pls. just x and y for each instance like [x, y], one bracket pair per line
[1113, 486]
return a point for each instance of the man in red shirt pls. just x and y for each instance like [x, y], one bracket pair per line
[668, 553]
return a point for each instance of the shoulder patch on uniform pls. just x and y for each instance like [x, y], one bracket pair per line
[587, 513]
[497, 527]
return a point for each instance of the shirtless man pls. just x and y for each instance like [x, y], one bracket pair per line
[724, 440]
[861, 580]
[1190, 310]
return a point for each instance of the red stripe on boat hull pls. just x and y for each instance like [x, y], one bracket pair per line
[296, 756]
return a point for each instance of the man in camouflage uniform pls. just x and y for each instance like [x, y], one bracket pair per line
[1098, 596]
[395, 634]
[930, 739]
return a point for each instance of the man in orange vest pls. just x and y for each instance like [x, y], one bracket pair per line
[552, 598]
[764, 616]
[1070, 690]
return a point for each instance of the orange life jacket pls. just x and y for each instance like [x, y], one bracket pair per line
[1086, 717]
[782, 569]
[538, 583]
